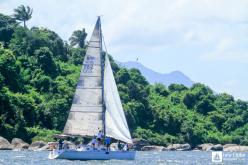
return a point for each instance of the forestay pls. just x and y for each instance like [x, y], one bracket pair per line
[85, 116]
[115, 120]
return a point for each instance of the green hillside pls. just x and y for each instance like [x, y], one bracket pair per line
[39, 72]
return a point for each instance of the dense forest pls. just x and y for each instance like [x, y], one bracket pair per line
[39, 72]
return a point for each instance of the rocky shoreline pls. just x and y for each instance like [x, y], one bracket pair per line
[143, 145]
[139, 145]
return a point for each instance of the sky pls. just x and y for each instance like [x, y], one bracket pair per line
[205, 39]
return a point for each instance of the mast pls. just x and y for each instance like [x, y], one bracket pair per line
[102, 77]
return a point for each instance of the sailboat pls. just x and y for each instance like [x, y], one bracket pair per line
[96, 106]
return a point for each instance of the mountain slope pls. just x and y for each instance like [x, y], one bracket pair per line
[155, 77]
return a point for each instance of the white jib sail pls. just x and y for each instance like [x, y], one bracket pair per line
[85, 117]
[115, 120]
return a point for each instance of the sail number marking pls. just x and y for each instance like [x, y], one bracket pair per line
[89, 64]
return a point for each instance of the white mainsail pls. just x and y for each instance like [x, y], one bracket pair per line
[86, 113]
[115, 120]
[85, 116]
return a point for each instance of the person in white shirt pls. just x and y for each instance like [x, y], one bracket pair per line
[125, 147]
[93, 142]
[99, 138]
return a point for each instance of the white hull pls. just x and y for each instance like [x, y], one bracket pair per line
[91, 155]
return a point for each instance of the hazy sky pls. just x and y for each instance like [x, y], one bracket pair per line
[205, 39]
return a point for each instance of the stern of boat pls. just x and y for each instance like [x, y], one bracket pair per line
[54, 154]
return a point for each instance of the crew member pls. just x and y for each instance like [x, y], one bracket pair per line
[99, 138]
[93, 142]
[60, 144]
[107, 142]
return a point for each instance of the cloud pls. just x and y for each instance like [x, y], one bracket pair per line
[229, 49]
[234, 87]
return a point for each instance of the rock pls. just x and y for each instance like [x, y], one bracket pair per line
[217, 147]
[19, 144]
[205, 146]
[152, 148]
[4, 144]
[209, 147]
[139, 143]
[179, 147]
[52, 145]
[172, 147]
[196, 149]
[229, 145]
[49, 146]
[235, 148]
[165, 149]
[46, 147]
[185, 147]
[36, 145]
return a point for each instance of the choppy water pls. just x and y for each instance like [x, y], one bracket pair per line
[142, 158]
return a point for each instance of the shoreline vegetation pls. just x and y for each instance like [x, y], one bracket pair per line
[39, 72]
[139, 145]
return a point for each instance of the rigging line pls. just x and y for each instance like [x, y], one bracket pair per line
[104, 44]
[102, 79]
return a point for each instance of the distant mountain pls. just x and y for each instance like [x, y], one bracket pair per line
[155, 77]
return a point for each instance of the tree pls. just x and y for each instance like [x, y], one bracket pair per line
[78, 38]
[177, 87]
[204, 106]
[160, 89]
[23, 13]
[76, 55]
[45, 60]
[7, 25]
[122, 76]
[10, 70]
[189, 100]
[28, 41]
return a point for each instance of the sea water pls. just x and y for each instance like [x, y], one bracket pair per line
[142, 158]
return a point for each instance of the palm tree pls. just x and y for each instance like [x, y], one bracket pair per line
[23, 13]
[78, 38]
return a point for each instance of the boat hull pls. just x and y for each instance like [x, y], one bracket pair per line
[92, 155]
